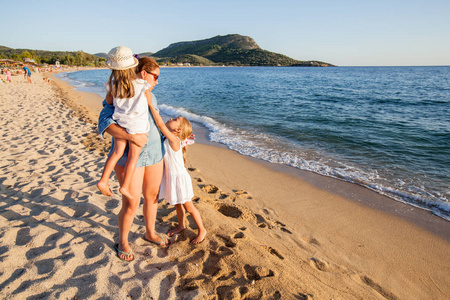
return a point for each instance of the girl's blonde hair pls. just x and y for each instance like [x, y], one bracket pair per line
[121, 83]
[185, 132]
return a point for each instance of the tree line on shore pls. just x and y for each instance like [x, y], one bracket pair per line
[78, 58]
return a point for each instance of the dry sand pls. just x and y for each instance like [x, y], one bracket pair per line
[272, 233]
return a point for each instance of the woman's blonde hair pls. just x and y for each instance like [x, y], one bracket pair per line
[121, 83]
[185, 132]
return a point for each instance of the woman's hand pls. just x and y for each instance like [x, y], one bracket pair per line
[120, 133]
[139, 139]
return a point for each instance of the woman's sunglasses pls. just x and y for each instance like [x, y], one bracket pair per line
[155, 76]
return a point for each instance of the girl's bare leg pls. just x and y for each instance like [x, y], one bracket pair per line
[133, 156]
[152, 181]
[111, 161]
[181, 216]
[129, 207]
[189, 206]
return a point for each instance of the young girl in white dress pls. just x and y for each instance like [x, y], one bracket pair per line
[176, 185]
[128, 95]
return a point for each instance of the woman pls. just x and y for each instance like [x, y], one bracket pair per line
[149, 169]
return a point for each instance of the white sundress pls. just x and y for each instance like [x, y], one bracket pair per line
[176, 184]
[132, 113]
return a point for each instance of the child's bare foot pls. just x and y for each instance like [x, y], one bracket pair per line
[126, 193]
[200, 237]
[177, 230]
[104, 188]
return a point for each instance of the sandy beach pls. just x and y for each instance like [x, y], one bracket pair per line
[273, 232]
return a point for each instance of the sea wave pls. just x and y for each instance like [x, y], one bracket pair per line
[272, 149]
[336, 128]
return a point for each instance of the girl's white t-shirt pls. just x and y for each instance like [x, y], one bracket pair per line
[132, 113]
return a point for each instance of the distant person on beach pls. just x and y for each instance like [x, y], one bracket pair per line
[149, 169]
[127, 94]
[176, 185]
[8, 76]
[47, 80]
[27, 74]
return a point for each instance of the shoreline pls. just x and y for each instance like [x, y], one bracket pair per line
[358, 201]
[349, 190]
[423, 191]
[273, 232]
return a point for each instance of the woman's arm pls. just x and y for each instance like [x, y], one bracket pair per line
[107, 124]
[173, 139]
[109, 98]
[120, 133]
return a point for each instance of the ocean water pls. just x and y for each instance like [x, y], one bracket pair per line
[385, 128]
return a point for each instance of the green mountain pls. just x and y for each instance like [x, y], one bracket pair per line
[146, 54]
[104, 55]
[230, 50]
[77, 58]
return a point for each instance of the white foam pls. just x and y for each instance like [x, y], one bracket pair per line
[269, 148]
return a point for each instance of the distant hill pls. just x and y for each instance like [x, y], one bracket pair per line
[146, 54]
[3, 48]
[230, 50]
[104, 55]
[209, 47]
[77, 58]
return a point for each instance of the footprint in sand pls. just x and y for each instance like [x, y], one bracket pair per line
[94, 249]
[23, 236]
[212, 265]
[257, 272]
[210, 189]
[239, 235]
[379, 289]
[285, 230]
[279, 223]
[314, 241]
[319, 264]
[274, 252]
[242, 193]
[112, 204]
[227, 276]
[301, 296]
[228, 241]
[225, 251]
[262, 223]
[36, 193]
[283, 227]
[45, 266]
[229, 210]
[227, 196]
[223, 195]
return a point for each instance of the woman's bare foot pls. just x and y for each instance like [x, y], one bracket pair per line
[200, 237]
[104, 188]
[177, 230]
[126, 193]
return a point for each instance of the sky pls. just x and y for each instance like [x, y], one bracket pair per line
[344, 33]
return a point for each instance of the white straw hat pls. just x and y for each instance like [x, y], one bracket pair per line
[121, 58]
